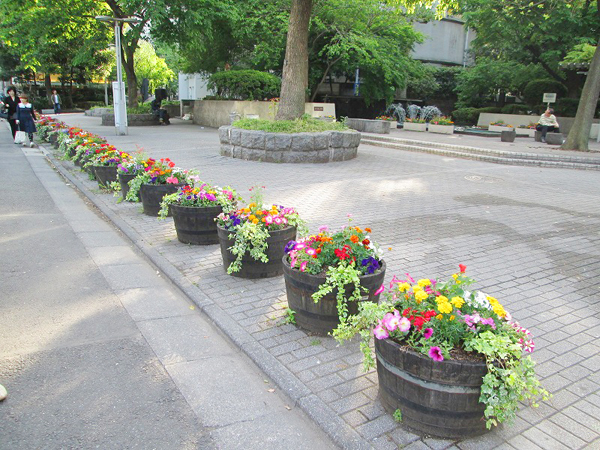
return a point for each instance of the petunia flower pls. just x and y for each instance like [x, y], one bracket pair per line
[391, 321]
[435, 353]
[404, 325]
[428, 333]
[380, 332]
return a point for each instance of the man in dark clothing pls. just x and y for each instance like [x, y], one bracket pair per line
[163, 115]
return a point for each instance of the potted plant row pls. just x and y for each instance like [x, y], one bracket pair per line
[441, 125]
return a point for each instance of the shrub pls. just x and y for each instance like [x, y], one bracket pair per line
[515, 109]
[566, 107]
[469, 116]
[535, 89]
[245, 84]
[289, 126]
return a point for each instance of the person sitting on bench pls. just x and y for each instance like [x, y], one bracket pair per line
[547, 123]
[163, 115]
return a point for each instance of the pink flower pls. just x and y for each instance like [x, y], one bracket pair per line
[391, 321]
[172, 180]
[404, 324]
[528, 345]
[323, 228]
[268, 220]
[277, 220]
[380, 332]
[380, 290]
[310, 251]
[428, 333]
[303, 266]
[435, 353]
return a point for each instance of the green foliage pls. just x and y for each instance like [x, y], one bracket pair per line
[515, 108]
[245, 84]
[339, 278]
[398, 416]
[581, 53]
[144, 108]
[535, 90]
[301, 125]
[470, 116]
[290, 316]
[200, 195]
[149, 65]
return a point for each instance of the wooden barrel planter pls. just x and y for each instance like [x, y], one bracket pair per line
[257, 269]
[439, 398]
[105, 175]
[152, 194]
[196, 225]
[124, 180]
[53, 139]
[322, 317]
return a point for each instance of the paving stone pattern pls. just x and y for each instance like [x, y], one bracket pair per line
[529, 236]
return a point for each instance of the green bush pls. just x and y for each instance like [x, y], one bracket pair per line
[305, 124]
[566, 107]
[469, 116]
[245, 85]
[535, 89]
[515, 108]
[143, 108]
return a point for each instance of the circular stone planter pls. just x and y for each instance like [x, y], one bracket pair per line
[105, 175]
[196, 225]
[322, 147]
[439, 398]
[258, 269]
[152, 194]
[322, 317]
[133, 120]
[124, 180]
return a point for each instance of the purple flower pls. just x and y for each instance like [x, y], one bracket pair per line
[428, 333]
[371, 263]
[290, 246]
[435, 353]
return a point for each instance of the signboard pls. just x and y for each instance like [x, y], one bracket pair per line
[549, 98]
[318, 108]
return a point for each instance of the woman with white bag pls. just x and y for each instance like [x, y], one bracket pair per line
[25, 120]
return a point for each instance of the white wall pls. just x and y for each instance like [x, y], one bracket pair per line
[444, 41]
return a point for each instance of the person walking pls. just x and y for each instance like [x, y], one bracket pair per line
[26, 118]
[11, 103]
[547, 123]
[56, 101]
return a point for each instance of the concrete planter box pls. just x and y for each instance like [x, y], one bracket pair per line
[411, 126]
[441, 129]
[98, 112]
[322, 147]
[133, 120]
[369, 126]
[500, 128]
[530, 132]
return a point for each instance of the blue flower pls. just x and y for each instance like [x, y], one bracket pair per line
[290, 246]
[371, 263]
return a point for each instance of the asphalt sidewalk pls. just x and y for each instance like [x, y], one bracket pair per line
[529, 236]
[100, 350]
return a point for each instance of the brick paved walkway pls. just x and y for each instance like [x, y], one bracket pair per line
[529, 236]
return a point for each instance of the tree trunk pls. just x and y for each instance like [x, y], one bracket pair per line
[580, 132]
[48, 85]
[294, 82]
[128, 65]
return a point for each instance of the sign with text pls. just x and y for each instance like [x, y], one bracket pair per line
[549, 98]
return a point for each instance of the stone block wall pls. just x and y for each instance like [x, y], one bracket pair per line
[319, 147]
[369, 126]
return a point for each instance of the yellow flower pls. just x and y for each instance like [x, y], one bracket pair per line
[441, 299]
[452, 317]
[420, 296]
[457, 302]
[492, 300]
[403, 287]
[252, 205]
[254, 221]
[251, 217]
[246, 210]
[455, 276]
[499, 310]
[424, 282]
[439, 316]
[444, 308]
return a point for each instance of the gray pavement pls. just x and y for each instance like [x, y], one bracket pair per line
[99, 350]
[530, 236]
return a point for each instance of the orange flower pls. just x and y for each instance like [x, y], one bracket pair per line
[354, 238]
[368, 230]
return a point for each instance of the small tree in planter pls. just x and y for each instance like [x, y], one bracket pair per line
[253, 238]
[452, 360]
[327, 275]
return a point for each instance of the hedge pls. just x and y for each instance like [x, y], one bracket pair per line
[244, 85]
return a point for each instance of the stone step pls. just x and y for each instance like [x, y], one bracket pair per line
[494, 156]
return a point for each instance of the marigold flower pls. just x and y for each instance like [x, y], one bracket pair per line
[458, 302]
[420, 296]
[368, 230]
[255, 221]
[424, 282]
[354, 238]
[441, 299]
[444, 307]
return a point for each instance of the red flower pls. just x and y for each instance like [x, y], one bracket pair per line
[462, 268]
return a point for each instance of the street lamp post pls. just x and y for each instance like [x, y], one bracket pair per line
[119, 99]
